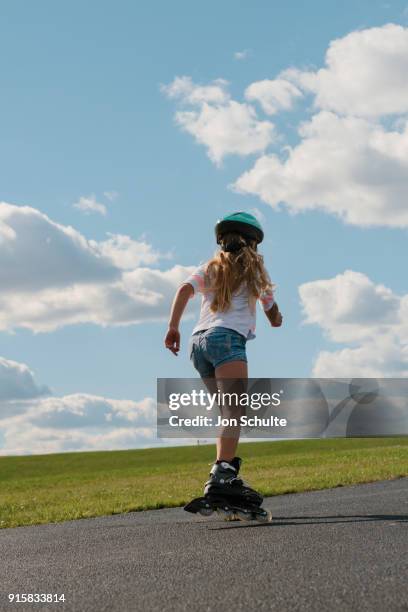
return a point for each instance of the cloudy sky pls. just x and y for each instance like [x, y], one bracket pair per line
[127, 129]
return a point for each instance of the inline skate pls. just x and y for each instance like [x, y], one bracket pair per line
[226, 493]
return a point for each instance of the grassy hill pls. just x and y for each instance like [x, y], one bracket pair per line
[53, 488]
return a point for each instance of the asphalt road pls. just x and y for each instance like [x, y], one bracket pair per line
[339, 549]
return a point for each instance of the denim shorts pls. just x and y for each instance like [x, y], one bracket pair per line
[215, 346]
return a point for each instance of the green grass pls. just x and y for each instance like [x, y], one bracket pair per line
[53, 488]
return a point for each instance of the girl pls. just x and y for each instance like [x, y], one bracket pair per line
[230, 285]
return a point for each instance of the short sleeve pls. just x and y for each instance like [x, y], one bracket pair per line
[197, 279]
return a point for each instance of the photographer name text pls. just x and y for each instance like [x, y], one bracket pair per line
[243, 421]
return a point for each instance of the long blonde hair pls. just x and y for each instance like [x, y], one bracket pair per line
[237, 263]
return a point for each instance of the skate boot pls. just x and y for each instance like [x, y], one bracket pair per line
[224, 480]
[229, 495]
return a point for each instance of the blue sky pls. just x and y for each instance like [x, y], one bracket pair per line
[84, 113]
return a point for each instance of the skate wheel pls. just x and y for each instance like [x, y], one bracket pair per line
[264, 518]
[226, 514]
[206, 510]
[244, 515]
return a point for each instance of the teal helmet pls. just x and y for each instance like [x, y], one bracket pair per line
[242, 223]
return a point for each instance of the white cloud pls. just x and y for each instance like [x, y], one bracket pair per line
[111, 195]
[7, 234]
[41, 253]
[141, 295]
[83, 410]
[53, 276]
[376, 358]
[126, 253]
[17, 382]
[351, 158]
[349, 306]
[37, 440]
[346, 166]
[88, 204]
[241, 55]
[365, 73]
[351, 309]
[77, 422]
[222, 125]
[33, 421]
[347, 163]
[185, 90]
[229, 129]
[273, 95]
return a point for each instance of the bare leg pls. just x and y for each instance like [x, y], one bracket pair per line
[228, 439]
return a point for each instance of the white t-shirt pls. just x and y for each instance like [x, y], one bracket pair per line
[239, 317]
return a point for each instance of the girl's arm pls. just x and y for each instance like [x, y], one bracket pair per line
[274, 316]
[172, 339]
[270, 307]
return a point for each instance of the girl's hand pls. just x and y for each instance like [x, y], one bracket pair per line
[172, 340]
[277, 321]
[274, 316]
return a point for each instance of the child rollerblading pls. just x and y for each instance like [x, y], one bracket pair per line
[230, 285]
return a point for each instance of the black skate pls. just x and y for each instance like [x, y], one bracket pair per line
[230, 496]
